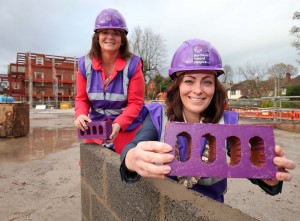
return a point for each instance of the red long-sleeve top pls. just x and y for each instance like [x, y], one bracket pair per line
[136, 90]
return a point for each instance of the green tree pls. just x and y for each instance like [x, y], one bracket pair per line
[162, 82]
[165, 84]
[293, 90]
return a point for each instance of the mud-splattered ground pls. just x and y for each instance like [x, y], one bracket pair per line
[40, 175]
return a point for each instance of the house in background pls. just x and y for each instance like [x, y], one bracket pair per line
[256, 89]
[234, 92]
[289, 82]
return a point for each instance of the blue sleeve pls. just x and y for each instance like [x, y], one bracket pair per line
[148, 132]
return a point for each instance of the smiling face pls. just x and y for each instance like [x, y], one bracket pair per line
[196, 90]
[110, 40]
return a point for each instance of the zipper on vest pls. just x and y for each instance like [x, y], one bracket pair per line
[106, 83]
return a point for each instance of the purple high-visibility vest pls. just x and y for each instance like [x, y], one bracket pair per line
[211, 187]
[108, 102]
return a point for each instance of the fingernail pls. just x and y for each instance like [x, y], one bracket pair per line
[168, 170]
[170, 157]
[168, 148]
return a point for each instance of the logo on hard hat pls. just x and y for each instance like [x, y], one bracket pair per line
[200, 55]
[198, 49]
[108, 18]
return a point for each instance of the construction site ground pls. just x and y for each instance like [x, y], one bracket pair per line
[40, 175]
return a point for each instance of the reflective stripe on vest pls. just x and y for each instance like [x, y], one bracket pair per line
[100, 96]
[108, 112]
[109, 103]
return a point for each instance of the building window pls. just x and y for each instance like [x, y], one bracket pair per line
[40, 92]
[39, 75]
[21, 69]
[13, 68]
[60, 92]
[39, 60]
[38, 84]
[60, 77]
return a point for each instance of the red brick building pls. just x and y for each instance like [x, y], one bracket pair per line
[43, 79]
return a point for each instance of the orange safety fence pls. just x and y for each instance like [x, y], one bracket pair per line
[268, 114]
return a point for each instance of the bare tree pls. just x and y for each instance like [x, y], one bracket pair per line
[253, 75]
[228, 74]
[280, 70]
[277, 75]
[151, 48]
[265, 81]
[295, 30]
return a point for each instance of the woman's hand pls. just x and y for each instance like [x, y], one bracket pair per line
[115, 131]
[80, 122]
[283, 165]
[148, 159]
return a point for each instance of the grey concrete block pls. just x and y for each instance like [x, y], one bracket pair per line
[138, 201]
[91, 166]
[100, 212]
[179, 203]
[83, 218]
[183, 210]
[193, 206]
[150, 199]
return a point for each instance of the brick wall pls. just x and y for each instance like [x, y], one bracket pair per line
[105, 197]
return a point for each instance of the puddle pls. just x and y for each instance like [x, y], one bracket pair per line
[38, 144]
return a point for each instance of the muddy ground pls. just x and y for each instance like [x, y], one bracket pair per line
[40, 175]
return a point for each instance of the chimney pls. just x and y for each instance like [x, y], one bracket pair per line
[287, 77]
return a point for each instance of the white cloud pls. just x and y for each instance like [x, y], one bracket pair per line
[243, 31]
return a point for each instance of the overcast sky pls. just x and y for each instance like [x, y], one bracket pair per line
[243, 31]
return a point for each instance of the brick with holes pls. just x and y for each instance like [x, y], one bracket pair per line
[96, 130]
[205, 154]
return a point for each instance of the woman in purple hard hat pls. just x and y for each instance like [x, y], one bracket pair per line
[195, 95]
[110, 83]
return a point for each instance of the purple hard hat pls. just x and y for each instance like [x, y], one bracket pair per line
[195, 54]
[110, 19]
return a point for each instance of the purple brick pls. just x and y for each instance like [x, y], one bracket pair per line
[96, 130]
[219, 167]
